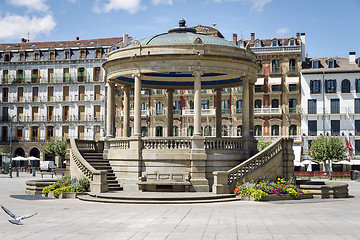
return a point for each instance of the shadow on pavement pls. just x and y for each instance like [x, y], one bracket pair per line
[29, 197]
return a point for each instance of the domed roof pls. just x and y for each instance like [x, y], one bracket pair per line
[184, 35]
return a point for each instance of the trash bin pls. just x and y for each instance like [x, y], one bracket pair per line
[352, 174]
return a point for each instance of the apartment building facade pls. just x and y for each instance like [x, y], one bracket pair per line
[50, 90]
[331, 102]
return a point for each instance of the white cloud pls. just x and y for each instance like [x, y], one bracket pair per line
[37, 5]
[282, 30]
[257, 5]
[131, 6]
[14, 27]
[168, 2]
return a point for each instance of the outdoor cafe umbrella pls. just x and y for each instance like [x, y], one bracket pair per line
[33, 158]
[309, 163]
[19, 158]
[344, 162]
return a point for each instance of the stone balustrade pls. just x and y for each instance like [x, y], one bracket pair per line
[167, 143]
[224, 143]
[119, 143]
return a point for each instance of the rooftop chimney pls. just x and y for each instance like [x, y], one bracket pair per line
[77, 38]
[298, 37]
[302, 38]
[252, 38]
[352, 56]
[235, 38]
[23, 40]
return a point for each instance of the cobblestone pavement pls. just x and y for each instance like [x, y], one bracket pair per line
[74, 219]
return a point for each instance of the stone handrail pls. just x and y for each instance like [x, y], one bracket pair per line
[167, 143]
[119, 143]
[97, 178]
[224, 180]
[224, 143]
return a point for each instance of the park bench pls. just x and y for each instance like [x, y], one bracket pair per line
[57, 171]
[174, 182]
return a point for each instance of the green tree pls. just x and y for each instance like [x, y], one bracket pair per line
[326, 149]
[56, 148]
[262, 143]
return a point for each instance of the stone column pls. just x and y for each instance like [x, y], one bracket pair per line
[126, 130]
[137, 105]
[197, 103]
[170, 112]
[251, 108]
[246, 109]
[218, 113]
[110, 109]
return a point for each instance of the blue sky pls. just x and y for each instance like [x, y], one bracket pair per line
[332, 27]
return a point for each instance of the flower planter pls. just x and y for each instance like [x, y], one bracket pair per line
[65, 195]
[276, 197]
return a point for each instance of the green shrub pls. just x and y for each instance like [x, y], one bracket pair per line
[66, 180]
[60, 190]
[85, 183]
[49, 188]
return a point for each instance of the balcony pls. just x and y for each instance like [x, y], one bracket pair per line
[204, 112]
[225, 111]
[275, 70]
[267, 111]
[144, 113]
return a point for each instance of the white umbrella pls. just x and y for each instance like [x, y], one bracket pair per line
[344, 162]
[33, 158]
[19, 158]
[308, 162]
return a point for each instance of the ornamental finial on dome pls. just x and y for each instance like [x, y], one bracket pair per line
[182, 23]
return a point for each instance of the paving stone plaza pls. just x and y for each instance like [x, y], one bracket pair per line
[74, 219]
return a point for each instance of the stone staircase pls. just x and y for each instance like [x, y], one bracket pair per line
[96, 160]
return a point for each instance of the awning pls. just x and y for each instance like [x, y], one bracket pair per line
[355, 162]
[260, 81]
[274, 80]
[292, 80]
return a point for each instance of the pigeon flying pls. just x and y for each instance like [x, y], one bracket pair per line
[16, 219]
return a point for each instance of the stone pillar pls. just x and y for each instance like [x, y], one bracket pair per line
[137, 105]
[246, 109]
[170, 112]
[251, 108]
[218, 113]
[126, 130]
[197, 103]
[110, 109]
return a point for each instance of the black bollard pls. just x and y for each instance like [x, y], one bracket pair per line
[17, 172]
[33, 171]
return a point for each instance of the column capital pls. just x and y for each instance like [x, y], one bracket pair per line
[197, 73]
[134, 75]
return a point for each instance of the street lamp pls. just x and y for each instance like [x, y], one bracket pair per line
[10, 145]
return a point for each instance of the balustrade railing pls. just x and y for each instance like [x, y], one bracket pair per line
[119, 143]
[167, 143]
[223, 143]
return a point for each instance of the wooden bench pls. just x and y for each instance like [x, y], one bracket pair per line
[165, 182]
[57, 171]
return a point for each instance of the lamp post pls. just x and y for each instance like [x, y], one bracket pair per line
[10, 145]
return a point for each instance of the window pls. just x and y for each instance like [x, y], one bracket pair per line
[330, 86]
[345, 86]
[159, 108]
[315, 86]
[207, 130]
[20, 76]
[275, 130]
[357, 147]
[292, 130]
[81, 74]
[357, 127]
[259, 88]
[7, 57]
[357, 105]
[335, 106]
[258, 103]
[22, 56]
[335, 127]
[239, 106]
[224, 131]
[274, 42]
[36, 56]
[292, 87]
[239, 130]
[357, 85]
[292, 105]
[225, 106]
[315, 64]
[97, 76]
[312, 125]
[312, 106]
[258, 43]
[175, 131]
[292, 42]
[159, 131]
[275, 66]
[292, 65]
[52, 55]
[83, 54]
[98, 53]
[331, 63]
[144, 131]
[143, 106]
[67, 55]
[176, 107]
[190, 131]
[205, 104]
[275, 88]
[258, 130]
